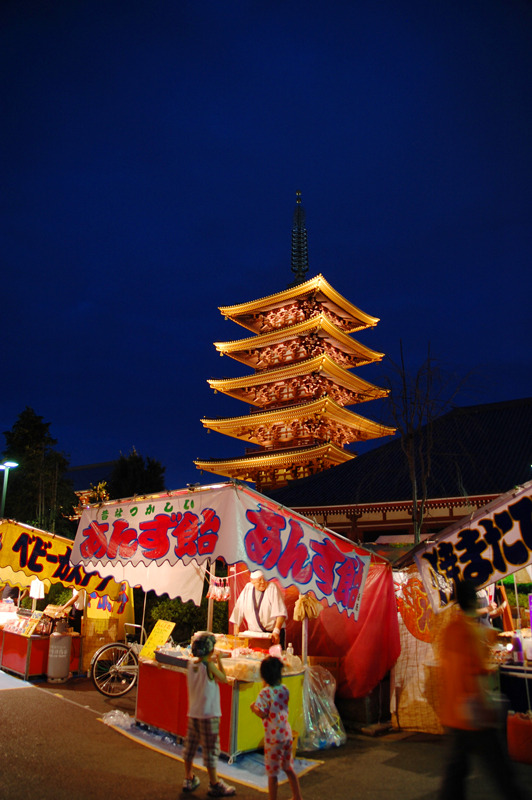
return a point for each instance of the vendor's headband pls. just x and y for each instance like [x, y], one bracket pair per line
[256, 575]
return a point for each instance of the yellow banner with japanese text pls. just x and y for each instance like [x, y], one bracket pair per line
[27, 553]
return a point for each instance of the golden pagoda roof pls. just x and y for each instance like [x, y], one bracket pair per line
[355, 318]
[243, 427]
[318, 365]
[242, 465]
[243, 349]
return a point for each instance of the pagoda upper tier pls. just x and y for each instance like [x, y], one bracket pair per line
[315, 336]
[296, 304]
[315, 422]
[305, 380]
[267, 469]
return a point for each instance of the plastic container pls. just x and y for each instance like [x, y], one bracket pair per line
[519, 735]
[175, 660]
[290, 650]
[517, 650]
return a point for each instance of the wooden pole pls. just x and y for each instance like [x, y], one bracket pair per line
[304, 641]
[210, 605]
[518, 623]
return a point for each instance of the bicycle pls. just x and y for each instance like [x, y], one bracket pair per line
[114, 667]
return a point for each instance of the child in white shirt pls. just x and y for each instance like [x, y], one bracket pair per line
[204, 712]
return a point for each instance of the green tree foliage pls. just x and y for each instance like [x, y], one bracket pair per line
[57, 595]
[134, 475]
[38, 493]
[523, 591]
[188, 617]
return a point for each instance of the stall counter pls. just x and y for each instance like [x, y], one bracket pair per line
[27, 656]
[516, 685]
[162, 703]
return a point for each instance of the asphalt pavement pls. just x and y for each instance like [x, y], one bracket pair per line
[54, 746]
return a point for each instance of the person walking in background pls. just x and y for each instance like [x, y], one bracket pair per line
[484, 607]
[470, 721]
[204, 673]
[77, 603]
[271, 706]
[500, 614]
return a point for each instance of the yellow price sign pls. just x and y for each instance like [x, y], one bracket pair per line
[157, 637]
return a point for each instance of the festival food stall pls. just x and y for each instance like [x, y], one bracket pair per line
[491, 543]
[167, 542]
[25, 645]
[31, 641]
[162, 700]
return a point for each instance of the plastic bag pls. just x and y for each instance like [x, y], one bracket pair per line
[323, 726]
[291, 664]
[118, 719]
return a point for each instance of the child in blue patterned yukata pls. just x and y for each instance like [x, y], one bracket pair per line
[271, 706]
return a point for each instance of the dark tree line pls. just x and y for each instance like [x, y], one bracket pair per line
[134, 474]
[39, 490]
[39, 494]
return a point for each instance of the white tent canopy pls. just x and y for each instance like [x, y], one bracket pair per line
[164, 543]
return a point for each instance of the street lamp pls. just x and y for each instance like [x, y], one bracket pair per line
[6, 466]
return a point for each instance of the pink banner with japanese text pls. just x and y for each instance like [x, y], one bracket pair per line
[162, 543]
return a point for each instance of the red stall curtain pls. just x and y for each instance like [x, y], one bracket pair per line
[366, 648]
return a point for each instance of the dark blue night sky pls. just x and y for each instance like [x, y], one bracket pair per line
[151, 152]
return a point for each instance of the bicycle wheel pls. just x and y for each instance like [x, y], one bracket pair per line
[114, 669]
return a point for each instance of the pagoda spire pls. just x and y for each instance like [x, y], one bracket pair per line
[299, 259]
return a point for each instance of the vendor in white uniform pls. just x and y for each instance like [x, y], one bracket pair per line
[262, 606]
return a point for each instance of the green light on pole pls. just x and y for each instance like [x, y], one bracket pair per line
[6, 466]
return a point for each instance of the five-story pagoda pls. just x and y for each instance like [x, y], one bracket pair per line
[301, 352]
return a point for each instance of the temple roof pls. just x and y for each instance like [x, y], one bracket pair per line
[316, 289]
[245, 350]
[312, 368]
[243, 427]
[477, 450]
[242, 465]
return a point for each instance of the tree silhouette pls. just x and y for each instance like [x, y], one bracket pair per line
[39, 493]
[134, 475]
[415, 401]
